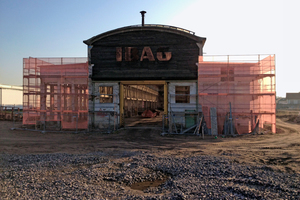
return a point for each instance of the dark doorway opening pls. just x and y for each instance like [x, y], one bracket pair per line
[143, 105]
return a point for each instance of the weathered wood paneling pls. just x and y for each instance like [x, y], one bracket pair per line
[181, 66]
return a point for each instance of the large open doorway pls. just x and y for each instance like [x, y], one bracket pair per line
[143, 103]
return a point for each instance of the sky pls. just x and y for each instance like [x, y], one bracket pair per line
[57, 28]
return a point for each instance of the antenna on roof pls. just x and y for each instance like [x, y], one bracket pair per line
[143, 16]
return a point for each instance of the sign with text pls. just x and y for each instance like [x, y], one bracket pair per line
[132, 54]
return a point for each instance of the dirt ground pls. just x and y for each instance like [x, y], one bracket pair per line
[279, 151]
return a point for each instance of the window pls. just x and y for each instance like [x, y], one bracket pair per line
[229, 72]
[295, 101]
[182, 94]
[106, 94]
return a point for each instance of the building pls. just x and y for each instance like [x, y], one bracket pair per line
[125, 60]
[11, 96]
[293, 100]
[152, 67]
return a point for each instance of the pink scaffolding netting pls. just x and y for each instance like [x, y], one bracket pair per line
[56, 89]
[245, 82]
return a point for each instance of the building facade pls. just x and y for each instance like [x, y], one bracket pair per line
[293, 100]
[157, 58]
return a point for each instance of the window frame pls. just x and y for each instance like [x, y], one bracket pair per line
[182, 94]
[106, 94]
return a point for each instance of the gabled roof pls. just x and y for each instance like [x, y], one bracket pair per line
[148, 27]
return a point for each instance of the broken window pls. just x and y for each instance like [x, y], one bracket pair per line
[182, 94]
[106, 94]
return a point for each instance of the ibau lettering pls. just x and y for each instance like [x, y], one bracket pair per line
[132, 54]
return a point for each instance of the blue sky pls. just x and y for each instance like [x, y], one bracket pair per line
[56, 28]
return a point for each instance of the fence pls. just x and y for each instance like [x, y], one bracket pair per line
[10, 113]
[104, 121]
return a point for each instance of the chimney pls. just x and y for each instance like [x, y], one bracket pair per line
[143, 16]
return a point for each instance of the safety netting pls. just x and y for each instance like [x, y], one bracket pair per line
[237, 90]
[55, 92]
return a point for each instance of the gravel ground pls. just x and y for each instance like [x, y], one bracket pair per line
[114, 175]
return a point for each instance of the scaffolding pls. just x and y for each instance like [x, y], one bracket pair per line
[237, 93]
[55, 93]
[233, 95]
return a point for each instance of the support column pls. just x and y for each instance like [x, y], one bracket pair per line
[52, 117]
[121, 104]
[73, 106]
[166, 102]
[43, 101]
[84, 98]
[65, 96]
[59, 96]
[73, 96]
[76, 95]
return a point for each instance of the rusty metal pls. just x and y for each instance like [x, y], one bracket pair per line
[119, 54]
[147, 54]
